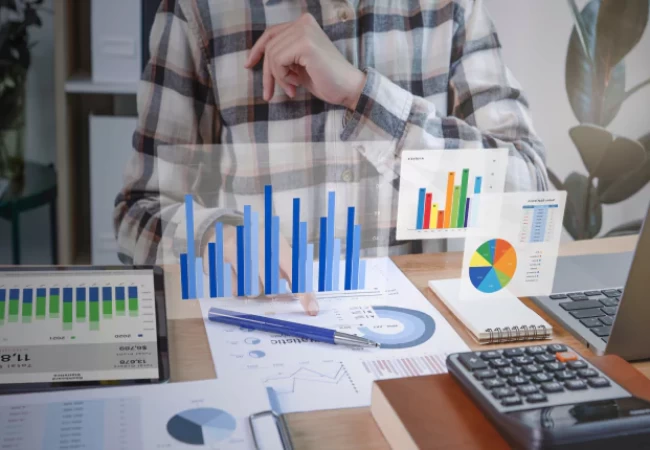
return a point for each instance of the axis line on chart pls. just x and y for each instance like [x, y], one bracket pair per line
[336, 379]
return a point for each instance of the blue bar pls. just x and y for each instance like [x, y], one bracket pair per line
[355, 257]
[303, 257]
[212, 259]
[94, 294]
[466, 212]
[477, 185]
[268, 211]
[362, 274]
[185, 293]
[67, 295]
[283, 286]
[309, 269]
[227, 280]
[349, 245]
[322, 255]
[255, 255]
[191, 252]
[133, 292]
[248, 263]
[218, 231]
[119, 293]
[55, 291]
[199, 277]
[295, 246]
[275, 252]
[241, 264]
[331, 211]
[3, 294]
[107, 293]
[420, 223]
[81, 294]
[336, 267]
[39, 293]
[28, 296]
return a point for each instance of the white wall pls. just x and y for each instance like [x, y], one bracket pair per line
[535, 36]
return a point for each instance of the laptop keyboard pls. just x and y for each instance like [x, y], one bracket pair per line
[595, 310]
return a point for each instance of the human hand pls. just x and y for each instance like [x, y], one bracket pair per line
[307, 300]
[299, 53]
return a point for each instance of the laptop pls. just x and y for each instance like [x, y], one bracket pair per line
[604, 300]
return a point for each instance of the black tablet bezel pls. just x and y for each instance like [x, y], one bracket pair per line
[161, 331]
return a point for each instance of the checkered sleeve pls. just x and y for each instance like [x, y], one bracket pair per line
[487, 108]
[177, 120]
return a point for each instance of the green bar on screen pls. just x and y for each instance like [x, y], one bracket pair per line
[454, 211]
[462, 202]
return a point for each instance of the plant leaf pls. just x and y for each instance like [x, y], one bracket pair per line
[622, 188]
[622, 156]
[626, 229]
[555, 180]
[589, 103]
[580, 28]
[592, 142]
[621, 24]
[576, 186]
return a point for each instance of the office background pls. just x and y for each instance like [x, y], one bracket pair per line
[534, 35]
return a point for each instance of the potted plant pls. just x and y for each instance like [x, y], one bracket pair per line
[618, 167]
[16, 19]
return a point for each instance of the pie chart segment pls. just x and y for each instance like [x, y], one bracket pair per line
[492, 266]
[201, 426]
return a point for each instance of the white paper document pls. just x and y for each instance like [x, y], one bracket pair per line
[305, 375]
[204, 414]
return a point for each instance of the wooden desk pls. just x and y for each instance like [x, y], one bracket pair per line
[355, 428]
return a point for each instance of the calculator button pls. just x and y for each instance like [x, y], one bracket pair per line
[598, 382]
[575, 385]
[578, 297]
[494, 383]
[587, 313]
[527, 390]
[508, 371]
[522, 360]
[472, 362]
[558, 296]
[575, 365]
[577, 306]
[544, 358]
[503, 392]
[535, 350]
[607, 320]
[592, 293]
[609, 301]
[611, 292]
[517, 380]
[511, 401]
[531, 369]
[565, 375]
[610, 310]
[587, 373]
[484, 374]
[602, 331]
[566, 356]
[541, 377]
[556, 348]
[591, 323]
[554, 366]
[512, 352]
[499, 363]
[552, 387]
[536, 398]
[490, 355]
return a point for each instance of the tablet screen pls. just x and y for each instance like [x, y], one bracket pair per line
[72, 326]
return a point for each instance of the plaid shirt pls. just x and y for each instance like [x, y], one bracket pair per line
[435, 80]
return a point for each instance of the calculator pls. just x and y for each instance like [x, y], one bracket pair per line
[548, 396]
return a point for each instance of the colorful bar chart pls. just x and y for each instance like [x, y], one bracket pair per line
[247, 259]
[80, 304]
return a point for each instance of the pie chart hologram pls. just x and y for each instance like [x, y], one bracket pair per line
[417, 328]
[201, 426]
[493, 265]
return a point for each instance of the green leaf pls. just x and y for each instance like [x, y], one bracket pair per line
[622, 188]
[626, 229]
[577, 186]
[622, 156]
[590, 102]
[621, 24]
[592, 142]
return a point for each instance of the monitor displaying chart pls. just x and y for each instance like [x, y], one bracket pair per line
[79, 325]
[441, 192]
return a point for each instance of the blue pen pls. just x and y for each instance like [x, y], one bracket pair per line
[288, 328]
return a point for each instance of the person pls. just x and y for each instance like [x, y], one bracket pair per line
[417, 75]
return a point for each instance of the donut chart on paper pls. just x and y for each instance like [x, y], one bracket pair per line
[493, 265]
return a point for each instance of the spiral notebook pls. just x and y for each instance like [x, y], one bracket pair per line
[505, 319]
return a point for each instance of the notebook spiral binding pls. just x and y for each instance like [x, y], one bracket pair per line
[515, 334]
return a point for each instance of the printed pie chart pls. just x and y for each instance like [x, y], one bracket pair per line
[493, 265]
[201, 426]
[416, 328]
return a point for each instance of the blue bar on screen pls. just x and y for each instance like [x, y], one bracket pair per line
[199, 277]
[477, 185]
[255, 255]
[295, 246]
[322, 255]
[421, 196]
[41, 292]
[362, 274]
[28, 295]
[241, 265]
[218, 232]
[189, 234]
[93, 294]
[303, 257]
[349, 246]
[336, 266]
[212, 259]
[67, 294]
[248, 262]
[185, 294]
[81, 294]
[120, 294]
[355, 257]
[227, 280]
[309, 269]
[275, 253]
[331, 212]
[268, 212]
[133, 292]
[466, 213]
